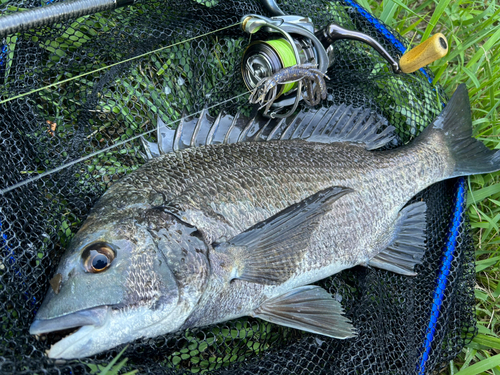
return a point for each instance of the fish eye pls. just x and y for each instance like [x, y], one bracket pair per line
[97, 257]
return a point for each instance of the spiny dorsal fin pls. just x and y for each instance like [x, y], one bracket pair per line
[213, 128]
[325, 125]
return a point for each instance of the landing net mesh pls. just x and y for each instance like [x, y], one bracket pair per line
[53, 127]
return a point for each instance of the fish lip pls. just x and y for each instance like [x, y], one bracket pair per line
[89, 317]
[63, 348]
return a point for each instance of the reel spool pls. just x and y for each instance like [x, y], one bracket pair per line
[262, 59]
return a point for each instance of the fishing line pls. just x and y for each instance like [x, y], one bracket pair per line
[60, 168]
[115, 64]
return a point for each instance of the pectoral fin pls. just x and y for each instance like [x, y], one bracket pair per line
[407, 247]
[309, 308]
[270, 251]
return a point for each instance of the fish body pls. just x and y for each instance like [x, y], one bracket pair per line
[353, 231]
[211, 233]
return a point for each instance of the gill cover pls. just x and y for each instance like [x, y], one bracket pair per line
[183, 247]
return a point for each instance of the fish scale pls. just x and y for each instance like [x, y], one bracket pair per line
[267, 185]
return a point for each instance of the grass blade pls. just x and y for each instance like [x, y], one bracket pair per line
[472, 77]
[111, 364]
[387, 15]
[484, 365]
[435, 17]
[492, 41]
[481, 194]
[488, 341]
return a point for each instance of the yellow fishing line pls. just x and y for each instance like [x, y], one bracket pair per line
[115, 64]
[286, 55]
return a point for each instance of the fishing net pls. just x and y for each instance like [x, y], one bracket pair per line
[84, 131]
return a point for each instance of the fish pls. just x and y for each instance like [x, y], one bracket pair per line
[233, 217]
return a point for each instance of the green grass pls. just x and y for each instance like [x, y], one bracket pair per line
[473, 32]
[112, 368]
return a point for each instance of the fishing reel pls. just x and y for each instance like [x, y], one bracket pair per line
[294, 41]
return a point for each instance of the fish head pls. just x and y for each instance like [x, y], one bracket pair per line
[127, 274]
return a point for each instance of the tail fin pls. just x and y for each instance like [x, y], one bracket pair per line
[455, 122]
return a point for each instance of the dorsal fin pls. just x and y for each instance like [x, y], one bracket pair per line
[326, 125]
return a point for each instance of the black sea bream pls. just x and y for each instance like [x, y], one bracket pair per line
[241, 225]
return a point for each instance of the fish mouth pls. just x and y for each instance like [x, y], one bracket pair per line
[65, 331]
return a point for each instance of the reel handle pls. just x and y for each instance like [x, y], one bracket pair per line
[334, 32]
[425, 53]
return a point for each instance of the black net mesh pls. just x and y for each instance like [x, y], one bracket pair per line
[85, 129]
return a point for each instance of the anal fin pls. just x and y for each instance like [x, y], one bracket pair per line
[308, 308]
[407, 247]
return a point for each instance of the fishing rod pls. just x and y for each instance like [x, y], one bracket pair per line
[53, 13]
